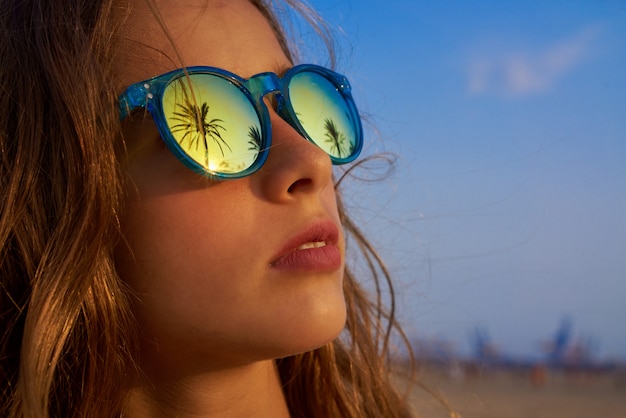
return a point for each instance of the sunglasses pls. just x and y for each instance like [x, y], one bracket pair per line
[218, 125]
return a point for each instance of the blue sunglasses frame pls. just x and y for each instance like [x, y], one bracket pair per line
[148, 95]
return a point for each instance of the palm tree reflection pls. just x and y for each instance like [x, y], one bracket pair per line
[337, 139]
[196, 127]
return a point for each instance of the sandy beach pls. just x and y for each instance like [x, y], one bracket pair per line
[515, 394]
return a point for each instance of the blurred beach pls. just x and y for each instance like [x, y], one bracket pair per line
[531, 393]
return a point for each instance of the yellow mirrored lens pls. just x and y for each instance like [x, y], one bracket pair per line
[323, 113]
[213, 122]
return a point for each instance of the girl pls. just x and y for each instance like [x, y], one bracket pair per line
[171, 238]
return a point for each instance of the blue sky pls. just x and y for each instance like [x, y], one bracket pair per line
[506, 209]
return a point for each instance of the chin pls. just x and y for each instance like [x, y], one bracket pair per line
[316, 331]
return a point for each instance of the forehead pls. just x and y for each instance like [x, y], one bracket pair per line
[160, 36]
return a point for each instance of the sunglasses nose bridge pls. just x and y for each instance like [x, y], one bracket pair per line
[267, 83]
[263, 84]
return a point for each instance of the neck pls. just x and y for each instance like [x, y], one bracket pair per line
[252, 390]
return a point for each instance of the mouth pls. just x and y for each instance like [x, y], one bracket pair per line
[315, 248]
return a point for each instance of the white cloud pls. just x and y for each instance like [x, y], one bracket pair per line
[524, 72]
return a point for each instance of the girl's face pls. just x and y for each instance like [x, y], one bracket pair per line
[224, 272]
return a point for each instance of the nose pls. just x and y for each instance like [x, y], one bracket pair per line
[294, 166]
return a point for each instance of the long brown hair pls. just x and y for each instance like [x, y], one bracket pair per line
[66, 348]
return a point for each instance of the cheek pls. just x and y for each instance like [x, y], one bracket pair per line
[175, 249]
[188, 274]
[329, 202]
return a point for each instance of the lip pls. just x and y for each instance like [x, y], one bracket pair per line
[305, 251]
